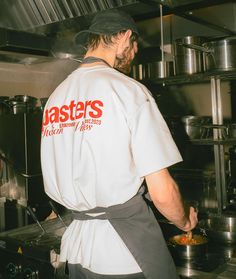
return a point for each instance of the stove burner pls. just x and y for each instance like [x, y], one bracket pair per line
[32, 252]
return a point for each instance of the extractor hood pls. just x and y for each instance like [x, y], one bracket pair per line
[23, 47]
[45, 28]
[24, 42]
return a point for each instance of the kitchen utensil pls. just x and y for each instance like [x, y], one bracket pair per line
[57, 213]
[220, 229]
[160, 69]
[32, 214]
[196, 247]
[138, 72]
[220, 54]
[194, 125]
[25, 98]
[217, 55]
[188, 60]
[22, 104]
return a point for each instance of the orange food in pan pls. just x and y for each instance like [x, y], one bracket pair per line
[183, 239]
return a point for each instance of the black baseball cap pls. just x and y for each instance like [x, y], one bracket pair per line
[107, 22]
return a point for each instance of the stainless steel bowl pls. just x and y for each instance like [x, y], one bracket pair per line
[194, 125]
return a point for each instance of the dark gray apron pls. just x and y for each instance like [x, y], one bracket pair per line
[136, 224]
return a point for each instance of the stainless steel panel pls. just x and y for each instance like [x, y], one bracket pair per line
[45, 13]
[219, 151]
[75, 7]
[50, 7]
[66, 6]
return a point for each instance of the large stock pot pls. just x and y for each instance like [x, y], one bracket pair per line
[188, 59]
[220, 54]
[217, 55]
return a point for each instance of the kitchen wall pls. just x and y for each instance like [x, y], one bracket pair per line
[41, 79]
[192, 99]
[37, 80]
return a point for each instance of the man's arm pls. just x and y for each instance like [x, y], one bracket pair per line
[166, 197]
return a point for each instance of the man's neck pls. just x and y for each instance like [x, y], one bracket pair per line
[106, 54]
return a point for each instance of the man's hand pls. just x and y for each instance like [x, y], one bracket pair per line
[51, 216]
[192, 222]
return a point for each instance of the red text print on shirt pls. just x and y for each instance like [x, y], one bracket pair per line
[80, 115]
[73, 112]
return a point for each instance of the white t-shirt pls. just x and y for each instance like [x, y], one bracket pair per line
[102, 133]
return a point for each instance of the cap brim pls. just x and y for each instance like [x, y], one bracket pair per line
[81, 38]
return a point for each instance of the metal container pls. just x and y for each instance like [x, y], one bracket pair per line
[22, 104]
[25, 99]
[160, 69]
[194, 125]
[4, 107]
[138, 72]
[220, 229]
[187, 59]
[220, 54]
[182, 251]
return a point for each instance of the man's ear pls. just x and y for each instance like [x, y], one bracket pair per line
[124, 41]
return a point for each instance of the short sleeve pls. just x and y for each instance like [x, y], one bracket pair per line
[153, 147]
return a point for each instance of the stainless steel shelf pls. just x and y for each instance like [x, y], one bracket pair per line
[229, 141]
[194, 78]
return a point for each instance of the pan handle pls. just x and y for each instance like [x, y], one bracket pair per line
[196, 47]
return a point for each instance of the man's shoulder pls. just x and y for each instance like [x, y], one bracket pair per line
[131, 84]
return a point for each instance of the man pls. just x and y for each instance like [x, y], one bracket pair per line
[102, 136]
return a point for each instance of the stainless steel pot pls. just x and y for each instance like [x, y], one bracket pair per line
[25, 99]
[188, 60]
[160, 69]
[22, 104]
[138, 72]
[194, 125]
[220, 54]
[182, 251]
[220, 229]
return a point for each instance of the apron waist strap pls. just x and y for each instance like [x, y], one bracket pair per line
[124, 210]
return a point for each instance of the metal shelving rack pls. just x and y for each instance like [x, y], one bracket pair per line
[215, 78]
[193, 78]
[219, 150]
[218, 141]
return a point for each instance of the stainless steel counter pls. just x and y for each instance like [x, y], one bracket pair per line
[226, 270]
